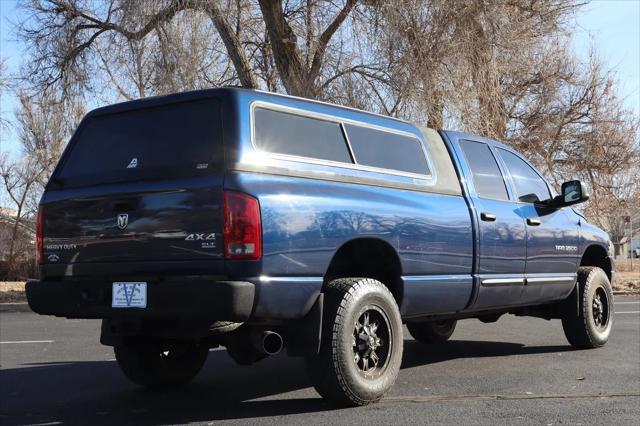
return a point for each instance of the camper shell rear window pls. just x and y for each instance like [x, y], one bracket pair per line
[174, 140]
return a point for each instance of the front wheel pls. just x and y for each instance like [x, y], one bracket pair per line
[361, 347]
[155, 364]
[589, 316]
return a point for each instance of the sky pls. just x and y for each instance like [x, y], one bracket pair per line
[612, 27]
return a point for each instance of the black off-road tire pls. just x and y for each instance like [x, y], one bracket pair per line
[580, 321]
[432, 332]
[359, 314]
[157, 364]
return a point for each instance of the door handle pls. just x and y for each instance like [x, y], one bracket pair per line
[532, 221]
[488, 217]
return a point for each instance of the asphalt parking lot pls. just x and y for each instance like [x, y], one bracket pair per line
[516, 371]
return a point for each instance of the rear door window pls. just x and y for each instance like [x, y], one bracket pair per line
[174, 140]
[387, 150]
[285, 133]
[487, 178]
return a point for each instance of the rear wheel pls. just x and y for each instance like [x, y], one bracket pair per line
[361, 348]
[432, 332]
[155, 364]
[589, 316]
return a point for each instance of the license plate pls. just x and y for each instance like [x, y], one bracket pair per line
[129, 295]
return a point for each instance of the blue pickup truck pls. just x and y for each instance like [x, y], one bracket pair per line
[261, 222]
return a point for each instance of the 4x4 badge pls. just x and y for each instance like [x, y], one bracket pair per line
[123, 220]
[201, 237]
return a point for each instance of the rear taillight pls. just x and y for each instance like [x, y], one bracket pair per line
[39, 236]
[242, 228]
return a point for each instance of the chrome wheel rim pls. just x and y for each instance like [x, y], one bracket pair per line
[371, 342]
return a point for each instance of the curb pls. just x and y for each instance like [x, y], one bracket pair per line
[626, 293]
[15, 307]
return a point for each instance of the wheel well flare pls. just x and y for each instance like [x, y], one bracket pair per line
[596, 255]
[368, 258]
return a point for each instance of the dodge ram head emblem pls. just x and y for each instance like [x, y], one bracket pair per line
[123, 220]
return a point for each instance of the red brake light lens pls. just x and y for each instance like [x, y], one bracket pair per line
[39, 236]
[242, 227]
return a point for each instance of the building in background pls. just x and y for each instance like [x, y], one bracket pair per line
[630, 243]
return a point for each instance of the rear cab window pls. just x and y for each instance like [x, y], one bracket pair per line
[178, 140]
[486, 175]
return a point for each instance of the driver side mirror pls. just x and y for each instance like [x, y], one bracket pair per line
[572, 192]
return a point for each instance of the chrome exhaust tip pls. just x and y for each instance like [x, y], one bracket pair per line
[271, 343]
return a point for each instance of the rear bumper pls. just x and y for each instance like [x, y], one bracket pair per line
[191, 300]
[182, 298]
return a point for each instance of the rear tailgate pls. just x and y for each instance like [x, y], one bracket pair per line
[139, 185]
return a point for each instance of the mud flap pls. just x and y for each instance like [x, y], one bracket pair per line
[303, 337]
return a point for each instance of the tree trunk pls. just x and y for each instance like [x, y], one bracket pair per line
[492, 118]
[233, 45]
[298, 79]
[285, 50]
